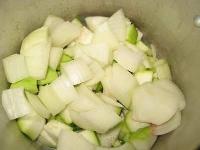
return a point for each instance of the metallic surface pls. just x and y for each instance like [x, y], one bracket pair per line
[166, 23]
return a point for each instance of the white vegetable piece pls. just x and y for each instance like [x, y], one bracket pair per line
[37, 105]
[99, 52]
[64, 89]
[117, 23]
[69, 140]
[99, 119]
[54, 128]
[52, 22]
[15, 68]
[108, 139]
[54, 57]
[51, 100]
[123, 84]
[126, 146]
[82, 104]
[37, 36]
[36, 47]
[90, 136]
[103, 34]
[106, 81]
[144, 76]
[90, 113]
[168, 126]
[109, 100]
[128, 58]
[65, 33]
[86, 92]
[85, 36]
[140, 45]
[79, 54]
[77, 71]
[152, 98]
[94, 22]
[133, 125]
[46, 139]
[98, 74]
[71, 48]
[163, 70]
[65, 115]
[77, 22]
[144, 144]
[14, 103]
[31, 124]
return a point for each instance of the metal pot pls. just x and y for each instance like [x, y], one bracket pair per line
[166, 23]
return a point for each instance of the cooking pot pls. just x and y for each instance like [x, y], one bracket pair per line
[168, 24]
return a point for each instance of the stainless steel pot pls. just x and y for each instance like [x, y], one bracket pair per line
[166, 23]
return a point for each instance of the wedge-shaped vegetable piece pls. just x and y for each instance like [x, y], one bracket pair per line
[79, 54]
[128, 58]
[94, 22]
[117, 23]
[142, 46]
[126, 146]
[52, 22]
[55, 57]
[98, 74]
[77, 22]
[37, 36]
[99, 52]
[106, 81]
[163, 95]
[65, 116]
[100, 119]
[143, 139]
[36, 47]
[73, 141]
[86, 92]
[120, 89]
[37, 105]
[31, 124]
[168, 126]
[71, 48]
[112, 102]
[65, 58]
[14, 103]
[77, 71]
[51, 131]
[132, 34]
[103, 34]
[15, 68]
[133, 125]
[65, 33]
[144, 76]
[90, 136]
[64, 89]
[83, 104]
[28, 84]
[85, 36]
[46, 140]
[51, 100]
[163, 70]
[37, 60]
[108, 139]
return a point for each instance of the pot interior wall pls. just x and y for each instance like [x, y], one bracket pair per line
[166, 24]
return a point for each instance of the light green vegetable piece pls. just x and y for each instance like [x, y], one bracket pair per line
[132, 34]
[28, 84]
[51, 76]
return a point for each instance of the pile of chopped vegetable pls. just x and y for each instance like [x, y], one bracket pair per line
[96, 86]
